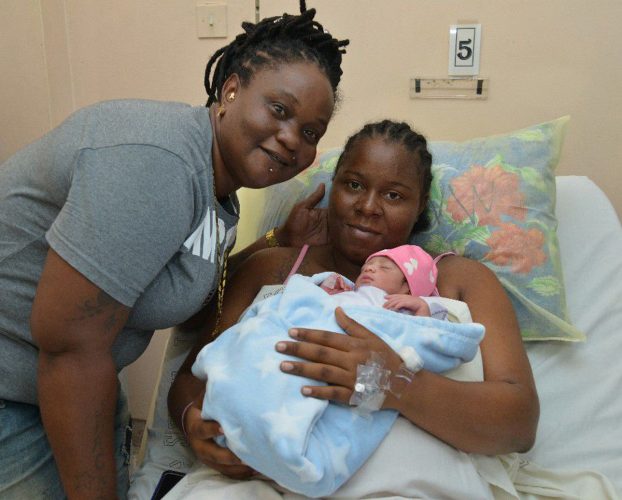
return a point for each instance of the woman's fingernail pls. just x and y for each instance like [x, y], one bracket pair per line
[287, 366]
[221, 430]
[281, 346]
[306, 391]
[293, 332]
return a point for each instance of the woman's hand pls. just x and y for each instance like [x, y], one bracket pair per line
[305, 224]
[200, 435]
[333, 358]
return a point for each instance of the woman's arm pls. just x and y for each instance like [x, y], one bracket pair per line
[75, 324]
[269, 266]
[496, 416]
[304, 225]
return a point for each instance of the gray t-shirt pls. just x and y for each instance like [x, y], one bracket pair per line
[122, 191]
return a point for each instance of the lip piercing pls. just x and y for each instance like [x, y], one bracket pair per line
[270, 169]
[293, 158]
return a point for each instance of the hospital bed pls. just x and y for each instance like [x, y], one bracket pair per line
[579, 383]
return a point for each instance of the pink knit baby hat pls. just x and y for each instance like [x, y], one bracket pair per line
[417, 265]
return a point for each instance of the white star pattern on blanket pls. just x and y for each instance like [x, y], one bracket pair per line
[267, 366]
[398, 343]
[422, 333]
[338, 455]
[218, 372]
[283, 423]
[235, 442]
[307, 472]
[431, 337]
[243, 333]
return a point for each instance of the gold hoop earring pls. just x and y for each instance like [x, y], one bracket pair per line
[231, 96]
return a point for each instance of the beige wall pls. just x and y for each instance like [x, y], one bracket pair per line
[543, 60]
[59, 55]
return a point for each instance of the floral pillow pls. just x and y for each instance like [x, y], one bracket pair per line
[492, 200]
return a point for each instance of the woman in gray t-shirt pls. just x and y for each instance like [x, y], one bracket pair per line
[119, 222]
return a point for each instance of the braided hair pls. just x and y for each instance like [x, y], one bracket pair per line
[272, 41]
[399, 133]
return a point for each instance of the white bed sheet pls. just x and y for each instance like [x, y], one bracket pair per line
[579, 384]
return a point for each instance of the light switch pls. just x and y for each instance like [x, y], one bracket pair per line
[212, 21]
[464, 44]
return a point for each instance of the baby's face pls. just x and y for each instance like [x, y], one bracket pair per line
[382, 273]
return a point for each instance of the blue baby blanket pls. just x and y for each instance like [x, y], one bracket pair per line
[307, 445]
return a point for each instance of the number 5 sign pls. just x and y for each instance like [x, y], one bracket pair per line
[464, 42]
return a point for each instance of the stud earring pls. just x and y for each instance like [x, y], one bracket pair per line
[231, 96]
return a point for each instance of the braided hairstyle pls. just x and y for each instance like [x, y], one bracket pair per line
[273, 41]
[399, 133]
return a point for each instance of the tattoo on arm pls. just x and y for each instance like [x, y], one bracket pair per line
[103, 306]
[95, 482]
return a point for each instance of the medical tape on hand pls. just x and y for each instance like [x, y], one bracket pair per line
[405, 374]
[372, 381]
[411, 358]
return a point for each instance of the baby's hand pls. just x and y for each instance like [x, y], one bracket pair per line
[416, 305]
